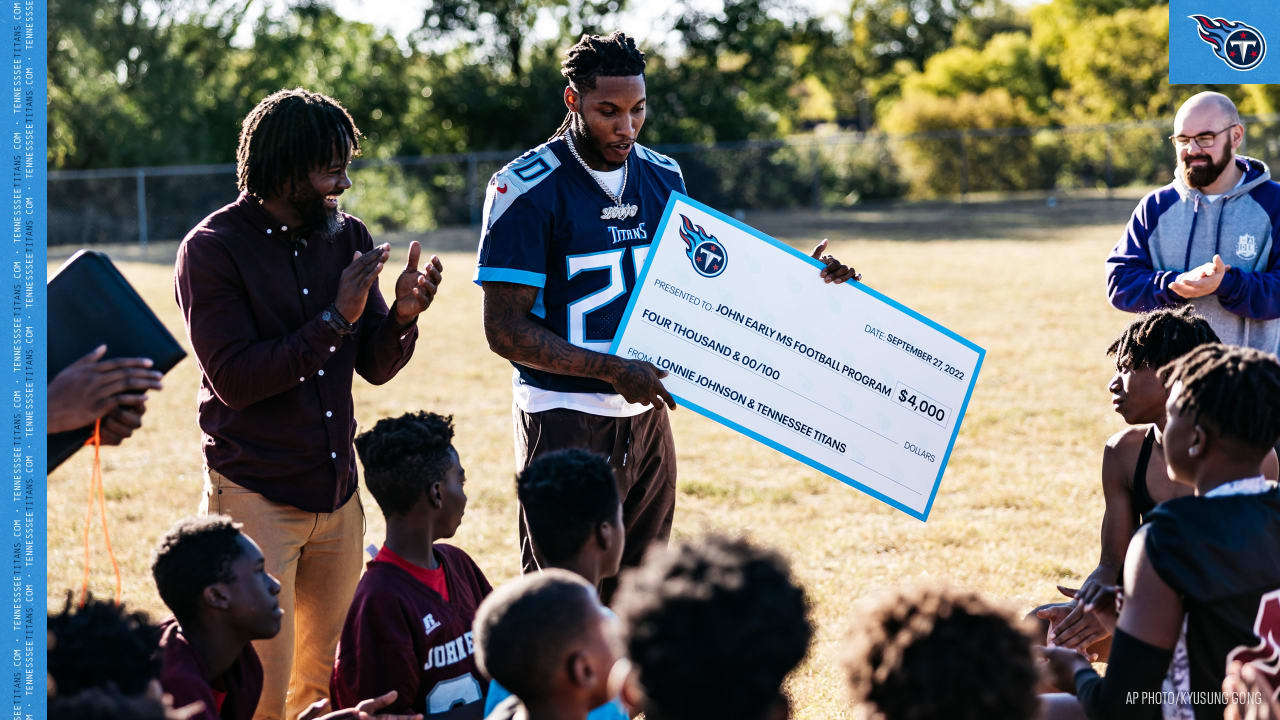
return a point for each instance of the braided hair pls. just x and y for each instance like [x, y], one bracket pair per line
[289, 134]
[593, 56]
[1234, 390]
[1158, 338]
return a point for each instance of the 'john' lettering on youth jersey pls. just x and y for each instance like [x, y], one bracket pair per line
[547, 224]
[459, 648]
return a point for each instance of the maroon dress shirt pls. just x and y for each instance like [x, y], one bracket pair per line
[274, 405]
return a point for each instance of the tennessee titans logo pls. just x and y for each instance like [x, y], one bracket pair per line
[1238, 45]
[707, 254]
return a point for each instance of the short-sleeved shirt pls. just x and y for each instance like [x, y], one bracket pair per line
[232, 695]
[402, 635]
[548, 224]
[1222, 556]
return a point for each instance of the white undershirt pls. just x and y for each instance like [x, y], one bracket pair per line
[611, 179]
[1212, 198]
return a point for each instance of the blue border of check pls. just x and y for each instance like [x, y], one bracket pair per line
[858, 287]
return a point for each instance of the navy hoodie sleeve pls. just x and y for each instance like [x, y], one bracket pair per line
[1256, 295]
[1133, 283]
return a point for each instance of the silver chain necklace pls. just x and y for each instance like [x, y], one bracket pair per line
[617, 199]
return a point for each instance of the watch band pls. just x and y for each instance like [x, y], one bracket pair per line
[336, 321]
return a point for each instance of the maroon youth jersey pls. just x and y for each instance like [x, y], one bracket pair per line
[182, 676]
[401, 635]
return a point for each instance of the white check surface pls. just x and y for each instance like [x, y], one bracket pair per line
[839, 377]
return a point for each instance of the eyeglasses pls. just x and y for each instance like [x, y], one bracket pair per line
[1204, 141]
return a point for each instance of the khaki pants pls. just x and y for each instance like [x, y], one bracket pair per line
[317, 558]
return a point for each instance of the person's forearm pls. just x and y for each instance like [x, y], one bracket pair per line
[523, 341]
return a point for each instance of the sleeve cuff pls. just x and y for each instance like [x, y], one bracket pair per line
[1230, 284]
[509, 275]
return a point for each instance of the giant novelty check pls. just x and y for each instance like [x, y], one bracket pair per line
[839, 377]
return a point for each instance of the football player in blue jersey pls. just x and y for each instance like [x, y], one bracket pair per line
[566, 229]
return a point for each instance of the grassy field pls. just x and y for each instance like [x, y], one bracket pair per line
[1017, 512]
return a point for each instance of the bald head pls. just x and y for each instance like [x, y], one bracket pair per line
[1205, 111]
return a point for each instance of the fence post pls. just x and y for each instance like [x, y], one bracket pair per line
[141, 182]
[964, 165]
[472, 206]
[817, 175]
[1110, 183]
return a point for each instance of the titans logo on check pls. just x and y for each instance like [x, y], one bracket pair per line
[707, 253]
[1238, 45]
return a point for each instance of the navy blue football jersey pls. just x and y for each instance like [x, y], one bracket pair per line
[549, 224]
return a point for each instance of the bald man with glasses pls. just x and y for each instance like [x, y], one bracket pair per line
[1208, 237]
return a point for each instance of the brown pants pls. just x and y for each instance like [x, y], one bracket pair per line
[643, 456]
[317, 558]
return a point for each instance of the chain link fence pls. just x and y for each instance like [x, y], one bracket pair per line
[839, 170]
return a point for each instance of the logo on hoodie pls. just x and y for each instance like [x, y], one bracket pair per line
[1247, 247]
[1238, 45]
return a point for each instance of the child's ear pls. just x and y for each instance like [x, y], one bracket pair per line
[581, 673]
[435, 495]
[216, 596]
[1199, 445]
[606, 535]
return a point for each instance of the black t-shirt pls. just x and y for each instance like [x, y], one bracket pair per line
[1222, 556]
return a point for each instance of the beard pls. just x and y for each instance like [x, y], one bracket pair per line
[315, 216]
[588, 144]
[1201, 176]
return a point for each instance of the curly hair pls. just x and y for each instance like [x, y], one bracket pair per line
[102, 644]
[933, 654]
[593, 56]
[196, 553]
[1234, 390]
[525, 628]
[289, 134]
[713, 627]
[403, 456]
[566, 495]
[1159, 337]
[105, 703]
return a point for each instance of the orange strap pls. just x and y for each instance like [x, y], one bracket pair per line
[95, 483]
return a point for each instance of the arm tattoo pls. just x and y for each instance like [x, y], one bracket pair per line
[515, 337]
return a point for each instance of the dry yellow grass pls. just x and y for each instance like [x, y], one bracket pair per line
[1017, 512]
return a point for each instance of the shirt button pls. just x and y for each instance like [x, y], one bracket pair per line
[333, 455]
[302, 379]
[305, 291]
[333, 348]
[295, 253]
[284, 228]
[321, 372]
[328, 413]
[268, 231]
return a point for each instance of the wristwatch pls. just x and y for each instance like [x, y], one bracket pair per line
[334, 319]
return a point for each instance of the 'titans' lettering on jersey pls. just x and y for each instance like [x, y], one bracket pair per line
[547, 231]
[459, 648]
[618, 212]
[636, 233]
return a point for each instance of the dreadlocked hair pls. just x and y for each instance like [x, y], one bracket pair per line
[1158, 338]
[1234, 390]
[289, 134]
[593, 56]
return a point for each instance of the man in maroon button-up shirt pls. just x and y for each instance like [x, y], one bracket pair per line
[280, 297]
